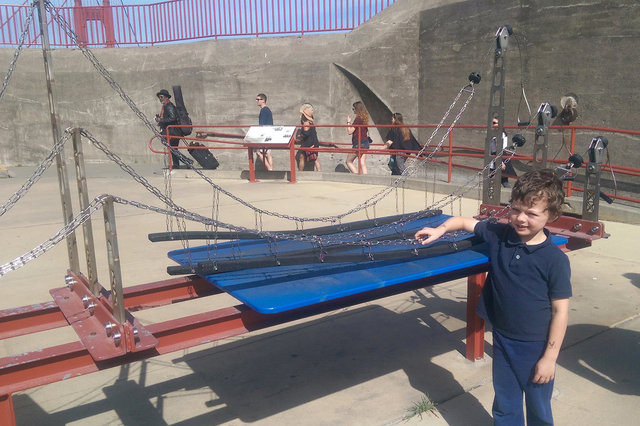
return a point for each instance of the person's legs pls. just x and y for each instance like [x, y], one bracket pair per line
[507, 403]
[400, 163]
[268, 160]
[260, 158]
[537, 397]
[350, 166]
[300, 160]
[538, 402]
[317, 165]
[521, 359]
[175, 160]
[363, 164]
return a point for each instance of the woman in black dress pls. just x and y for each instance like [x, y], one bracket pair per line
[400, 138]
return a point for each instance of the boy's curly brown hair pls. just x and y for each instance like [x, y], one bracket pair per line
[537, 185]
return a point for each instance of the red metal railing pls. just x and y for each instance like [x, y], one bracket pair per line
[460, 156]
[180, 20]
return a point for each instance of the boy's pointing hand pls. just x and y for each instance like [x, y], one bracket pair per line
[428, 235]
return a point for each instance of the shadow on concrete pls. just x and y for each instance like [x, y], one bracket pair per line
[267, 174]
[607, 358]
[633, 277]
[263, 375]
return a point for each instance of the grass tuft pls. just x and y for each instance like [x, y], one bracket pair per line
[425, 405]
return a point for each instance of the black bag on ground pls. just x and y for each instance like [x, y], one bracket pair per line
[341, 168]
[203, 157]
[183, 114]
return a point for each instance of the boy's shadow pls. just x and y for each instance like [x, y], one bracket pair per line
[608, 357]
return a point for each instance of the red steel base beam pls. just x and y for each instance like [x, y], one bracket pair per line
[46, 316]
[475, 324]
[37, 368]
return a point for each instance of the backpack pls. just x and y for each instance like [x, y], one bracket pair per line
[183, 114]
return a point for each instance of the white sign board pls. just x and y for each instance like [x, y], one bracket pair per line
[275, 135]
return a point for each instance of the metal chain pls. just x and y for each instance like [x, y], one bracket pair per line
[359, 239]
[64, 232]
[16, 53]
[177, 210]
[57, 148]
[105, 73]
[183, 214]
[99, 67]
[413, 168]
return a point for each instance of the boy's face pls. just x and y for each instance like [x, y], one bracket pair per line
[529, 221]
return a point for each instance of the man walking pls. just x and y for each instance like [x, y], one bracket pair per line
[169, 116]
[264, 119]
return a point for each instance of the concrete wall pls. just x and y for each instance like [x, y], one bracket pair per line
[580, 47]
[412, 58]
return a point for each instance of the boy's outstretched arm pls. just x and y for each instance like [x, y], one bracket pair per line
[456, 223]
[546, 366]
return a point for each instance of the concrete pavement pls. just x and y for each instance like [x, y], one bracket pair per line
[364, 365]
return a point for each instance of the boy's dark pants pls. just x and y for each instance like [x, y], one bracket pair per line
[514, 363]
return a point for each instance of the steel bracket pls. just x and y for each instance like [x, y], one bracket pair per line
[92, 318]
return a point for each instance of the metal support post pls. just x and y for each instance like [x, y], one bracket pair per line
[115, 275]
[87, 230]
[63, 180]
[591, 196]
[491, 183]
[541, 146]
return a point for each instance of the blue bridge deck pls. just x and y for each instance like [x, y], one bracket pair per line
[279, 289]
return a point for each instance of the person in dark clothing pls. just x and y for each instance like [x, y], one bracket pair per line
[569, 113]
[169, 116]
[265, 118]
[400, 138]
[308, 138]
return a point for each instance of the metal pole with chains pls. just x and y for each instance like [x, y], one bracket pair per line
[491, 186]
[63, 181]
[87, 230]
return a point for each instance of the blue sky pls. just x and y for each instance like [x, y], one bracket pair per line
[84, 2]
[219, 18]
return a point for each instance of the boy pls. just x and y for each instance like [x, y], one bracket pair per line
[525, 297]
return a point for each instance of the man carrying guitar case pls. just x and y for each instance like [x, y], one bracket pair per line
[202, 155]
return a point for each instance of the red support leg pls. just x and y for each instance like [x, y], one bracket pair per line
[7, 415]
[475, 324]
[292, 163]
[252, 168]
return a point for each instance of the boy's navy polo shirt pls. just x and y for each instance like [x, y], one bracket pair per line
[522, 280]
